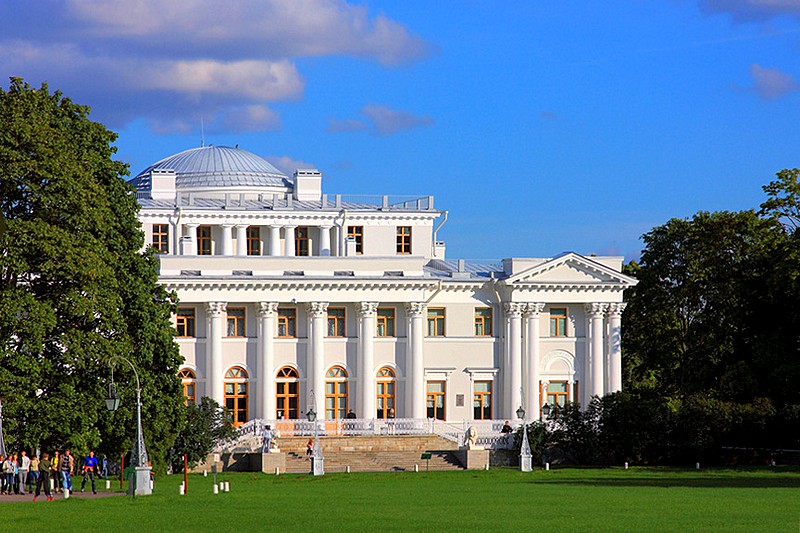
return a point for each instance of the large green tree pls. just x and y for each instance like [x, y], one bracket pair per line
[76, 288]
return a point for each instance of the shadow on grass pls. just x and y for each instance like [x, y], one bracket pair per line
[666, 478]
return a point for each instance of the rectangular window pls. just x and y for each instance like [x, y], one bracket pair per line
[357, 232]
[336, 322]
[203, 240]
[184, 322]
[403, 239]
[236, 322]
[253, 240]
[287, 323]
[436, 322]
[558, 322]
[555, 395]
[483, 321]
[302, 245]
[435, 399]
[384, 323]
[161, 238]
[482, 400]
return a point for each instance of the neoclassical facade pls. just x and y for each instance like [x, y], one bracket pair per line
[291, 298]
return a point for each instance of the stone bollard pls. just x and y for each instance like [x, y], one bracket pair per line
[108, 484]
[486, 467]
[547, 466]
[277, 471]
[227, 486]
[216, 488]
[205, 473]
[66, 494]
[416, 468]
[626, 465]
[181, 490]
[347, 469]
[697, 466]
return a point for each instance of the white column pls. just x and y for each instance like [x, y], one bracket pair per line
[325, 240]
[227, 241]
[289, 241]
[615, 345]
[514, 369]
[241, 240]
[318, 317]
[190, 244]
[532, 370]
[216, 329]
[366, 364]
[335, 250]
[415, 383]
[274, 240]
[175, 246]
[266, 358]
[595, 312]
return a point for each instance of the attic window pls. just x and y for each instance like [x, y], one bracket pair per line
[349, 273]
[190, 273]
[393, 273]
[294, 273]
[242, 272]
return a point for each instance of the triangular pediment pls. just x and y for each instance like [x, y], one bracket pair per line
[571, 269]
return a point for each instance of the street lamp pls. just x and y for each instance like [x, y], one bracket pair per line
[317, 460]
[141, 478]
[546, 410]
[525, 457]
[2, 441]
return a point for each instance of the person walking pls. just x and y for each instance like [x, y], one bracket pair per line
[89, 470]
[267, 444]
[33, 475]
[24, 468]
[67, 466]
[55, 466]
[8, 475]
[45, 467]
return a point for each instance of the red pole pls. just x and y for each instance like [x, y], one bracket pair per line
[185, 476]
[122, 472]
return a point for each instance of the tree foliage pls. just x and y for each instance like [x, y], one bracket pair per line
[75, 287]
[206, 426]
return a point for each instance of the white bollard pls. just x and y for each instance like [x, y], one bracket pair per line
[205, 473]
[697, 466]
[347, 469]
[547, 466]
[108, 484]
[416, 468]
[52, 485]
[66, 494]
[152, 484]
[216, 488]
[227, 486]
[626, 465]
[277, 471]
[181, 490]
[487, 466]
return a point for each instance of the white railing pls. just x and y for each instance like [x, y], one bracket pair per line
[489, 434]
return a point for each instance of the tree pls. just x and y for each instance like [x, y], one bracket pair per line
[206, 426]
[75, 287]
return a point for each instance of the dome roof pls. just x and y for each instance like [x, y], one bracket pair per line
[216, 166]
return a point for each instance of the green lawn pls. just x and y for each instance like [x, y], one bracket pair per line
[561, 500]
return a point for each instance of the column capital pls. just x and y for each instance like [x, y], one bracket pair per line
[416, 309]
[514, 309]
[317, 309]
[227, 225]
[325, 226]
[242, 226]
[596, 310]
[266, 309]
[367, 309]
[616, 309]
[533, 309]
[216, 309]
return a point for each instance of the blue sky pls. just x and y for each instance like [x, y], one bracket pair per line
[540, 126]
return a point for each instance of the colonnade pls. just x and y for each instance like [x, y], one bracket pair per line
[185, 241]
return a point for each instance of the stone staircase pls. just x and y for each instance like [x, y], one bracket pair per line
[395, 453]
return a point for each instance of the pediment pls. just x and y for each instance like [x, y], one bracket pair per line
[571, 269]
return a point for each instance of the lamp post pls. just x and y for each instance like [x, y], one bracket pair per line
[317, 460]
[525, 457]
[141, 478]
[2, 440]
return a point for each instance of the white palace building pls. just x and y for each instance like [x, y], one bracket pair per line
[291, 299]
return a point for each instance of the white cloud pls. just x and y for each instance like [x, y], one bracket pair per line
[388, 121]
[752, 10]
[288, 165]
[251, 118]
[338, 126]
[771, 83]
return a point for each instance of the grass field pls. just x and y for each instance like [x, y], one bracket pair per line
[560, 500]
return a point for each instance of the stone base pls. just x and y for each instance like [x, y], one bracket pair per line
[140, 481]
[269, 462]
[473, 459]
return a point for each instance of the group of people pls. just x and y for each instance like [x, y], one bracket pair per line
[20, 472]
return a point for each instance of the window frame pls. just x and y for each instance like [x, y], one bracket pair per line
[387, 378]
[287, 379]
[239, 379]
[403, 236]
[338, 377]
[387, 321]
[339, 323]
[302, 241]
[436, 320]
[557, 321]
[481, 396]
[188, 379]
[289, 321]
[204, 240]
[188, 322]
[483, 321]
[357, 232]
[433, 395]
[253, 236]
[239, 322]
[160, 238]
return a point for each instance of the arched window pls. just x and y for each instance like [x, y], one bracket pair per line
[189, 382]
[236, 395]
[288, 394]
[336, 393]
[386, 386]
